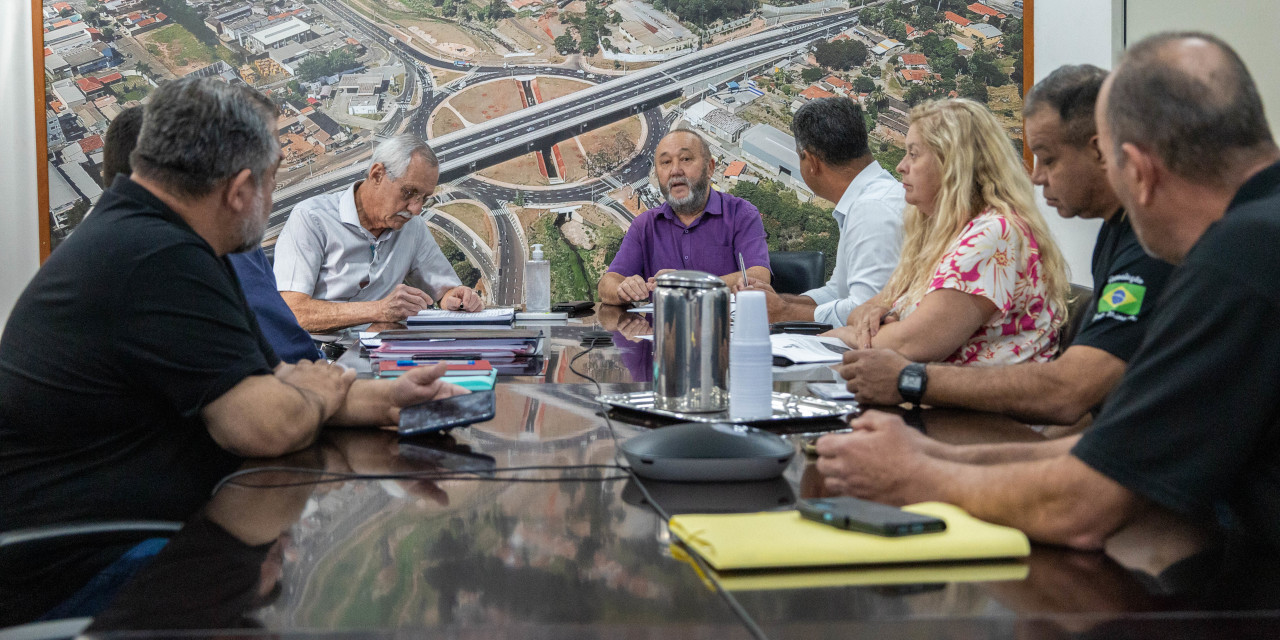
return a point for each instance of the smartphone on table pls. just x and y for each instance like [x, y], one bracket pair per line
[868, 517]
[449, 413]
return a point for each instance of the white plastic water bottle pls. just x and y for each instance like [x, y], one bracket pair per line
[750, 359]
[537, 282]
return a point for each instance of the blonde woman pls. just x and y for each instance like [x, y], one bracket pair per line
[980, 280]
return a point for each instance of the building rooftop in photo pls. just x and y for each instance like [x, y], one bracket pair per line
[957, 19]
[82, 55]
[814, 92]
[277, 32]
[725, 121]
[984, 10]
[986, 30]
[914, 59]
[772, 147]
[326, 124]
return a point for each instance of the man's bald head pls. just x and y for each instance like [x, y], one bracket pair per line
[687, 138]
[1188, 99]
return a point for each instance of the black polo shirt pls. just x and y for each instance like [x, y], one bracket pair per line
[1126, 285]
[130, 329]
[1194, 424]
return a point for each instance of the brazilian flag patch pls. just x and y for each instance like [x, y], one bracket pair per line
[1122, 297]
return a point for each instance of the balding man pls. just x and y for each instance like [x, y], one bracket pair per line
[1191, 428]
[133, 375]
[696, 228]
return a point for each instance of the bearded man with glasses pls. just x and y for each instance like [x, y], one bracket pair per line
[366, 255]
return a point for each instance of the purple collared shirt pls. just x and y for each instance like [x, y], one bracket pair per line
[657, 240]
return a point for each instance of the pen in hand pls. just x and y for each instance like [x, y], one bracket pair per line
[743, 264]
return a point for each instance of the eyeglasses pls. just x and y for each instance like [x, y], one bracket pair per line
[411, 195]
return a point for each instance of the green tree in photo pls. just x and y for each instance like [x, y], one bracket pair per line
[896, 29]
[840, 54]
[812, 74]
[983, 67]
[565, 44]
[790, 224]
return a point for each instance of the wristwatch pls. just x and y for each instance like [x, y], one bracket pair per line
[912, 382]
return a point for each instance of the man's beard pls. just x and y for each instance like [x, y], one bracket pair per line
[253, 227]
[695, 201]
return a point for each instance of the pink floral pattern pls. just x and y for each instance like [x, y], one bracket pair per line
[996, 257]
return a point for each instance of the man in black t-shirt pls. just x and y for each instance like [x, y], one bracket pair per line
[1192, 429]
[1127, 282]
[133, 375]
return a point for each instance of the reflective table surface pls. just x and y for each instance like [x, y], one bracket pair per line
[523, 527]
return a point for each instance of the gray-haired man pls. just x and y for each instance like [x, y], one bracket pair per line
[343, 258]
[132, 372]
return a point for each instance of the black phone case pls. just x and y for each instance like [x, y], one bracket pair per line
[442, 415]
[868, 517]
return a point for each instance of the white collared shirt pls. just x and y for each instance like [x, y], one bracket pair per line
[870, 218]
[325, 253]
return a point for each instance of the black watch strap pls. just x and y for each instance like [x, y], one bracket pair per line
[912, 381]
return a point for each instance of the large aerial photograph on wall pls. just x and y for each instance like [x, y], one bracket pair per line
[544, 113]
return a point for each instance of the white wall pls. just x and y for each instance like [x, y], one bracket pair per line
[1074, 32]
[1249, 26]
[19, 215]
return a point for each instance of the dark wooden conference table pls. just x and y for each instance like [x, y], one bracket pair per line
[566, 550]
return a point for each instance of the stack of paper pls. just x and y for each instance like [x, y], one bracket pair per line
[434, 317]
[507, 351]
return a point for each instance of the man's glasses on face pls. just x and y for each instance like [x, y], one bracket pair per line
[411, 196]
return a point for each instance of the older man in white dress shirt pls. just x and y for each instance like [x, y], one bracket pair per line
[343, 259]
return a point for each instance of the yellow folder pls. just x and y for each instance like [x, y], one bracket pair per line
[857, 576]
[779, 539]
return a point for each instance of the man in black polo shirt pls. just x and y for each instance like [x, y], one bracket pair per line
[1058, 113]
[1192, 428]
[133, 375]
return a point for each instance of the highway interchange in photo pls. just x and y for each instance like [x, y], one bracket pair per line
[482, 145]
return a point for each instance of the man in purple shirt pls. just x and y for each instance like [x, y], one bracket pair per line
[697, 228]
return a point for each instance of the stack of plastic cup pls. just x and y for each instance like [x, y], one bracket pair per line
[750, 359]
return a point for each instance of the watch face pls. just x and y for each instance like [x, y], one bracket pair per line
[912, 379]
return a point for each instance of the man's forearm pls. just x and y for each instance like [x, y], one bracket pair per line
[318, 316]
[792, 308]
[1058, 500]
[608, 288]
[757, 273]
[1057, 392]
[368, 404]
[1002, 453]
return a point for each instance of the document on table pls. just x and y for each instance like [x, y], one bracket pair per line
[497, 315]
[800, 349]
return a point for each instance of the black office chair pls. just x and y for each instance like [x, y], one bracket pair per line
[1078, 301]
[796, 271]
[38, 539]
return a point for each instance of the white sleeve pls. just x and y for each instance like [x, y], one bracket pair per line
[299, 252]
[431, 270]
[871, 252]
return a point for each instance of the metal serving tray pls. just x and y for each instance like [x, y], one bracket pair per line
[786, 408]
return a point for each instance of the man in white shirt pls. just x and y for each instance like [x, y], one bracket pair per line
[835, 162]
[343, 258]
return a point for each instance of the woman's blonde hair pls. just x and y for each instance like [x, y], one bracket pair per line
[979, 170]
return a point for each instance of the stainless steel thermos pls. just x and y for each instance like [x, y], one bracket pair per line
[691, 342]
